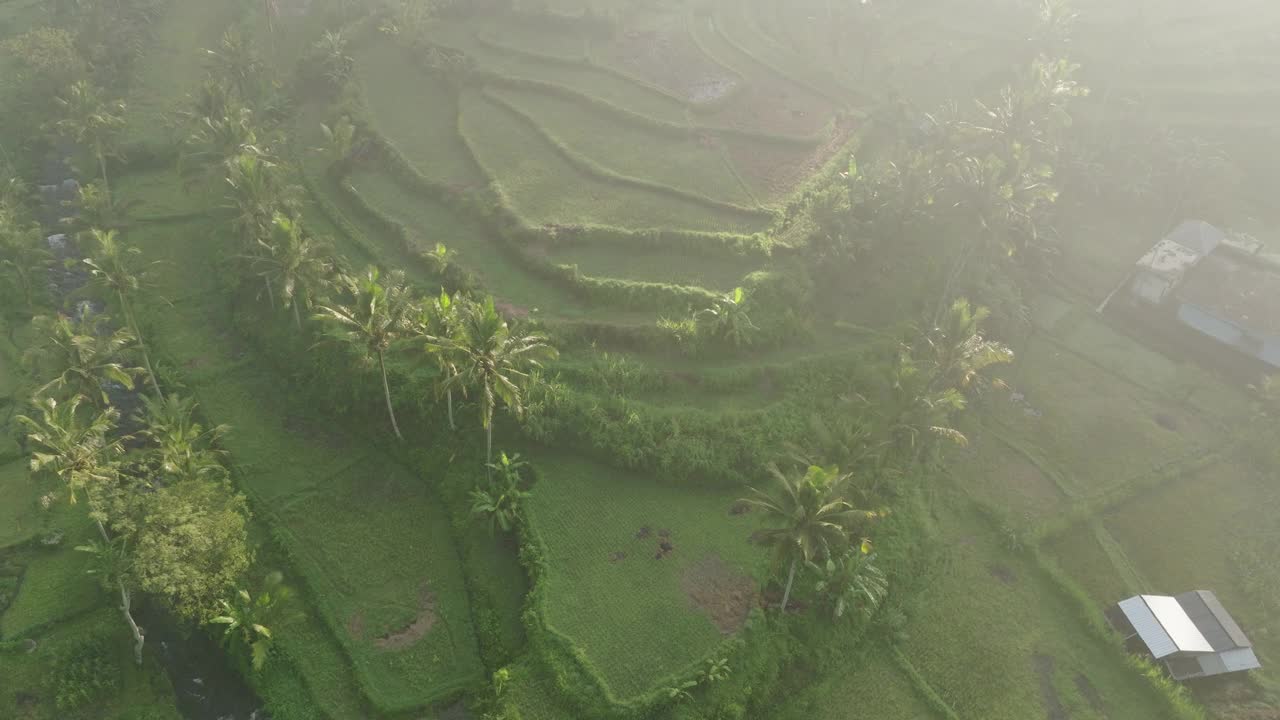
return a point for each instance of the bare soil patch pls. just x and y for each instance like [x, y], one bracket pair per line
[1044, 665]
[725, 595]
[1003, 574]
[420, 626]
[667, 57]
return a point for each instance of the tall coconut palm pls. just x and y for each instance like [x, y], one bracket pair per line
[376, 316]
[813, 518]
[494, 361]
[297, 265]
[92, 122]
[116, 270]
[74, 448]
[184, 447]
[434, 327]
[81, 356]
[216, 141]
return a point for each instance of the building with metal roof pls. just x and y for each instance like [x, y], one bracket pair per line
[1216, 285]
[1192, 633]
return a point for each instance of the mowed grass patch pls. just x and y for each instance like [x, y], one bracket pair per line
[582, 77]
[693, 164]
[1081, 555]
[1227, 513]
[27, 681]
[1005, 478]
[985, 615]
[546, 188]
[860, 688]
[55, 583]
[1068, 405]
[378, 554]
[638, 618]
[417, 112]
[19, 511]
[163, 194]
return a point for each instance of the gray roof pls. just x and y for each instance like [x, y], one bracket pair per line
[1212, 619]
[1197, 235]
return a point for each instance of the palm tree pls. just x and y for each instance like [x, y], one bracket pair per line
[24, 258]
[184, 447]
[81, 356]
[249, 618]
[851, 580]
[91, 122]
[258, 192]
[97, 208]
[501, 500]
[74, 449]
[113, 564]
[237, 62]
[114, 270]
[727, 319]
[295, 263]
[494, 361]
[376, 317]
[814, 519]
[436, 323]
[216, 141]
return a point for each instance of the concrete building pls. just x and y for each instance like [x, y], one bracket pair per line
[1191, 633]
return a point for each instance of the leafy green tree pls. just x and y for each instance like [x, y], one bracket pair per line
[183, 447]
[92, 122]
[339, 140]
[217, 140]
[377, 315]
[334, 60]
[97, 208]
[71, 445]
[728, 320]
[24, 258]
[81, 356]
[295, 264]
[814, 520]
[237, 63]
[116, 271]
[851, 580]
[249, 617]
[495, 362]
[503, 499]
[113, 566]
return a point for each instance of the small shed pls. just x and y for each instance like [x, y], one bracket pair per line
[1192, 633]
[1235, 302]
[1163, 268]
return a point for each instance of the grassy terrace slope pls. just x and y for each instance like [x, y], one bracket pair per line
[546, 188]
[386, 580]
[637, 617]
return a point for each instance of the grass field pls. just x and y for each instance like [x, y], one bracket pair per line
[638, 618]
[19, 516]
[545, 188]
[870, 687]
[55, 585]
[416, 112]
[692, 164]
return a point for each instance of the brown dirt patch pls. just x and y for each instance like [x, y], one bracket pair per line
[617, 556]
[740, 508]
[724, 594]
[511, 311]
[1054, 710]
[644, 533]
[421, 625]
[1003, 574]
[759, 537]
[1091, 694]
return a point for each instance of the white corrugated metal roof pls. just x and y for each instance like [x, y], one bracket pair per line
[1163, 625]
[1240, 659]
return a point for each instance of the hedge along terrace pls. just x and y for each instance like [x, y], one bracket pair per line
[391, 592]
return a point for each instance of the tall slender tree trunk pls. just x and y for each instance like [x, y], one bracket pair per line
[449, 396]
[138, 637]
[791, 577]
[386, 392]
[271, 294]
[142, 345]
[102, 166]
[297, 319]
[488, 450]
